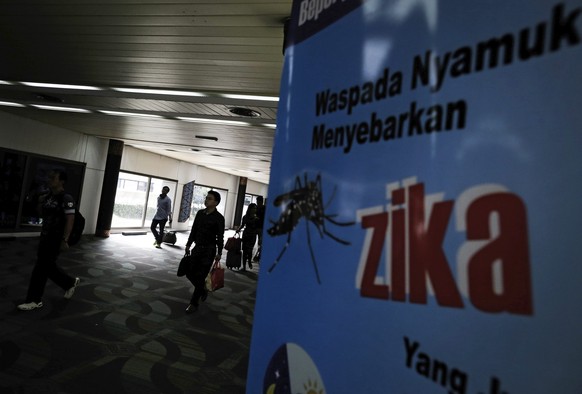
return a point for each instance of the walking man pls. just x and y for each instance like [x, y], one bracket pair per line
[163, 212]
[57, 210]
[208, 237]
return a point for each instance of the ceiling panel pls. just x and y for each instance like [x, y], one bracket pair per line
[212, 47]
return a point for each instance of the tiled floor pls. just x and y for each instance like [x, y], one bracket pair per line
[124, 330]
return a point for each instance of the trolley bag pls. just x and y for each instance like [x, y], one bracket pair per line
[233, 259]
[234, 243]
[169, 237]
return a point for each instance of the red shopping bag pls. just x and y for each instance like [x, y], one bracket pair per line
[216, 275]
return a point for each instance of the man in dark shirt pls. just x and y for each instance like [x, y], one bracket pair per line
[208, 237]
[58, 214]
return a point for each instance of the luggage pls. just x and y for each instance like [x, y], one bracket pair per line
[185, 265]
[169, 237]
[233, 259]
[234, 243]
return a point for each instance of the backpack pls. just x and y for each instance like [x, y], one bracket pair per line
[77, 230]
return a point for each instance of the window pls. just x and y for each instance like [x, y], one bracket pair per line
[199, 196]
[132, 198]
[249, 199]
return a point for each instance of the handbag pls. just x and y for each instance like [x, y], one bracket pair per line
[233, 243]
[216, 276]
[185, 265]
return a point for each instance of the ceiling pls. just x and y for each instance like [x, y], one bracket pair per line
[215, 48]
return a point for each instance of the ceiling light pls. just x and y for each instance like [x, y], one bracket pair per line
[11, 104]
[270, 125]
[250, 97]
[119, 113]
[65, 109]
[215, 121]
[59, 86]
[160, 92]
[5, 83]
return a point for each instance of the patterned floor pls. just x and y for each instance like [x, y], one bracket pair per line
[124, 330]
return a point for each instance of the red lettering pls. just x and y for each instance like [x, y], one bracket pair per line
[427, 258]
[379, 224]
[398, 256]
[510, 248]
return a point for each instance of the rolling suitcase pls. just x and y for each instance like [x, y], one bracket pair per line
[169, 237]
[233, 259]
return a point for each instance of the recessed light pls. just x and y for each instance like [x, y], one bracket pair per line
[161, 92]
[213, 121]
[59, 86]
[137, 114]
[64, 109]
[250, 97]
[11, 104]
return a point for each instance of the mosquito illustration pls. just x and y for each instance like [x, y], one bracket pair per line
[304, 201]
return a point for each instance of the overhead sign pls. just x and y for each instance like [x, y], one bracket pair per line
[422, 225]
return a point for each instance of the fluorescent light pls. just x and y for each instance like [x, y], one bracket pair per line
[65, 109]
[10, 104]
[118, 113]
[250, 97]
[160, 92]
[6, 83]
[59, 86]
[270, 125]
[215, 121]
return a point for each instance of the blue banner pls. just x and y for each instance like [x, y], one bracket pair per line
[422, 224]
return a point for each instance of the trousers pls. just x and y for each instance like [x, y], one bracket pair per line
[159, 236]
[202, 259]
[46, 268]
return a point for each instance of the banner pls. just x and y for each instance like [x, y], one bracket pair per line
[423, 217]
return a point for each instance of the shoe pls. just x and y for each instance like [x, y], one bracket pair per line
[69, 293]
[204, 295]
[158, 245]
[30, 306]
[155, 243]
[191, 308]
[250, 265]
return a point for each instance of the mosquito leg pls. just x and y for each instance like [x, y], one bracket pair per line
[341, 241]
[329, 217]
[281, 254]
[311, 251]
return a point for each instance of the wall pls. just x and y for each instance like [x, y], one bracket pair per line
[27, 135]
[30, 136]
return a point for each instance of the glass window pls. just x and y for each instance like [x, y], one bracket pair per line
[199, 196]
[132, 198]
[130, 201]
[249, 199]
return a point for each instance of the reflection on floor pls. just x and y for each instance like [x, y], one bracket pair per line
[124, 330]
